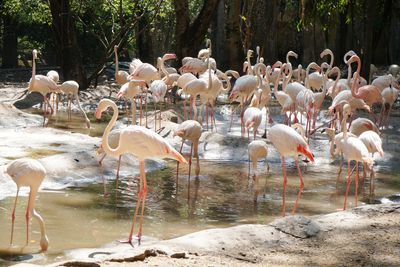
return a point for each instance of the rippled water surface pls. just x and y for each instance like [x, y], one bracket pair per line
[223, 195]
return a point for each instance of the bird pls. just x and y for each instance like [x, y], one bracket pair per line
[289, 143]
[394, 69]
[142, 143]
[130, 90]
[373, 142]
[71, 89]
[283, 98]
[52, 74]
[315, 79]
[148, 73]
[189, 130]
[353, 149]
[43, 85]
[121, 76]
[369, 93]
[389, 95]
[257, 149]
[28, 172]
[360, 125]
[252, 115]
[159, 87]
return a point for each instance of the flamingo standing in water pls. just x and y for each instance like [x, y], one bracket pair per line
[353, 149]
[71, 89]
[28, 172]
[257, 149]
[289, 143]
[189, 130]
[144, 144]
[130, 90]
[43, 85]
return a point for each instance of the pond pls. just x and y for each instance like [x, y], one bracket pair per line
[223, 195]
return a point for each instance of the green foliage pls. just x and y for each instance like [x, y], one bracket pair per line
[28, 11]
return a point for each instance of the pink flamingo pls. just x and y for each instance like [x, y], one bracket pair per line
[130, 90]
[289, 143]
[144, 144]
[257, 149]
[121, 77]
[353, 149]
[369, 93]
[252, 116]
[43, 85]
[28, 172]
[189, 130]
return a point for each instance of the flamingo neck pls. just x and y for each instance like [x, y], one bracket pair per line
[105, 144]
[307, 85]
[248, 64]
[277, 83]
[33, 71]
[31, 204]
[348, 74]
[332, 59]
[209, 70]
[354, 87]
[163, 69]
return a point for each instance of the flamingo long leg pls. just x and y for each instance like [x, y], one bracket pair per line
[143, 194]
[348, 185]
[138, 202]
[284, 186]
[177, 163]
[232, 112]
[300, 189]
[13, 217]
[117, 177]
[356, 193]
[102, 175]
[190, 168]
[196, 154]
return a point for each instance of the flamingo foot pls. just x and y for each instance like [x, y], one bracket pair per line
[129, 241]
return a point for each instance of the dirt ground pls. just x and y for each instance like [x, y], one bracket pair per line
[365, 236]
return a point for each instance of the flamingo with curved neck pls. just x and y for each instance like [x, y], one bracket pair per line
[141, 142]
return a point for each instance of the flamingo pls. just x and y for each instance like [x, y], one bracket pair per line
[130, 90]
[353, 149]
[28, 172]
[189, 130]
[257, 149]
[385, 81]
[315, 79]
[282, 97]
[159, 87]
[71, 89]
[121, 77]
[252, 116]
[42, 84]
[52, 74]
[389, 95]
[373, 142]
[299, 74]
[144, 144]
[369, 93]
[289, 143]
[394, 69]
[360, 125]
[148, 73]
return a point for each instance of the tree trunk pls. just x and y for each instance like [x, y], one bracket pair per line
[190, 36]
[218, 36]
[369, 19]
[67, 44]
[9, 55]
[144, 41]
[233, 41]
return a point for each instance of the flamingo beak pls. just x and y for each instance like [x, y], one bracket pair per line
[305, 151]
[98, 114]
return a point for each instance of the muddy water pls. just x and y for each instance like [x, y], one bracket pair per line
[223, 195]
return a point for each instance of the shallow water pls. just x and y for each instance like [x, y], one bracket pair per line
[223, 195]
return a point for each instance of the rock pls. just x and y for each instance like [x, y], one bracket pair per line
[29, 100]
[297, 226]
[179, 255]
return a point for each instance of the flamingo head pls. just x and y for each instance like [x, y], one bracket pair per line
[277, 64]
[103, 105]
[233, 95]
[348, 54]
[305, 150]
[353, 58]
[44, 243]
[34, 53]
[115, 48]
[169, 56]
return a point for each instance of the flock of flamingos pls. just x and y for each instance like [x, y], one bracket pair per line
[298, 92]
